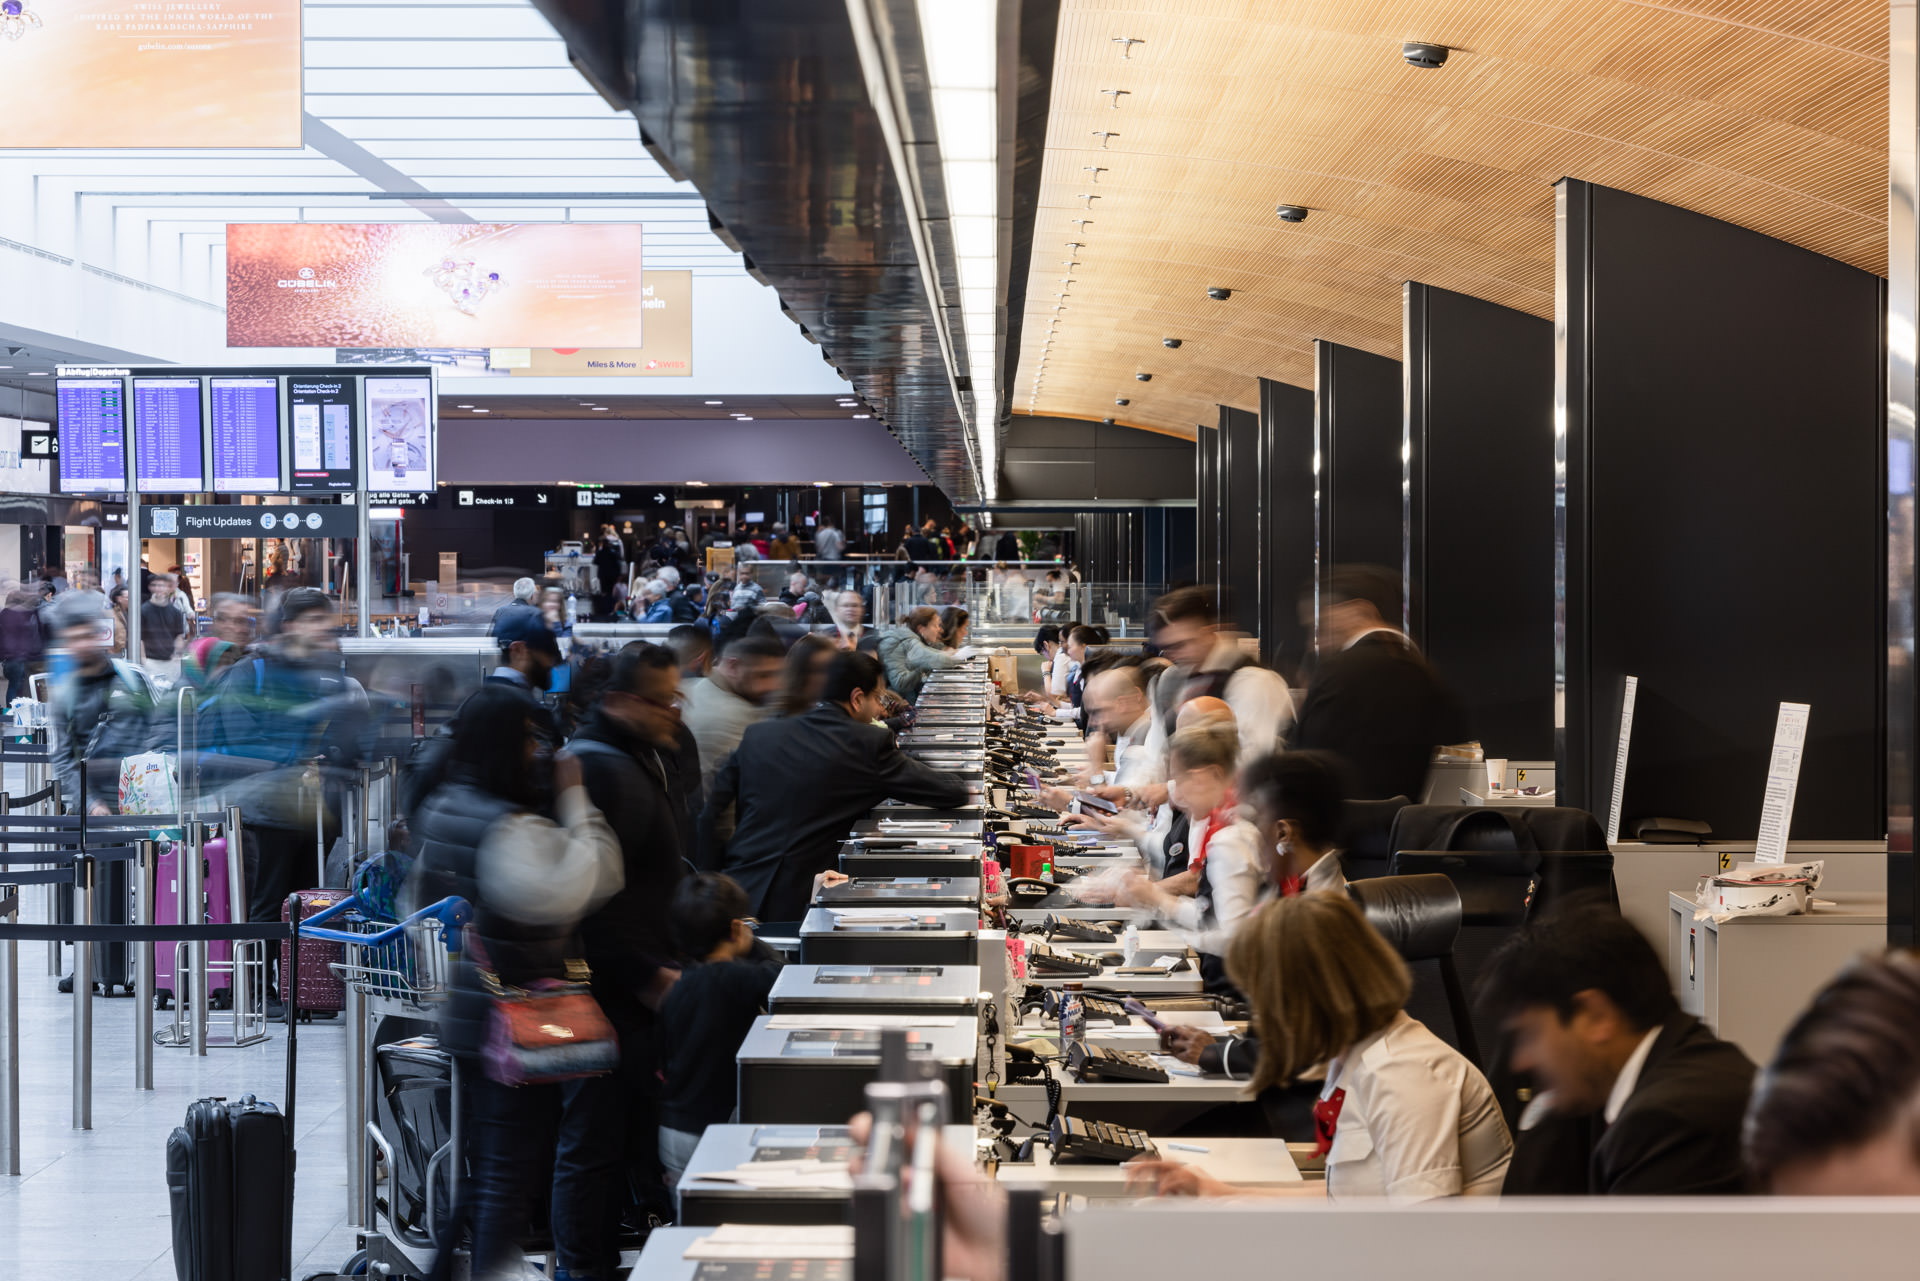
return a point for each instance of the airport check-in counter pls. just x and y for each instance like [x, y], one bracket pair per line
[903, 891]
[889, 936]
[776, 1174]
[954, 860]
[928, 990]
[814, 1068]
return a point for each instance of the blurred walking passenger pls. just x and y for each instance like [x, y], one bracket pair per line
[102, 710]
[161, 627]
[803, 676]
[531, 882]
[20, 646]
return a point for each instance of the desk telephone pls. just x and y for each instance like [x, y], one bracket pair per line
[1043, 961]
[1097, 1063]
[1025, 891]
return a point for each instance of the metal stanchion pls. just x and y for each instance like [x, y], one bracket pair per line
[83, 996]
[53, 891]
[354, 1132]
[238, 909]
[10, 1039]
[144, 870]
[193, 889]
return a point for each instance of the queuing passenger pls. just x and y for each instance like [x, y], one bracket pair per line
[784, 545]
[1225, 876]
[685, 608]
[653, 607]
[203, 660]
[804, 676]
[609, 573]
[161, 627]
[1837, 1111]
[230, 617]
[531, 882]
[607, 1122]
[913, 647]
[20, 646]
[828, 542]
[1205, 662]
[692, 645]
[101, 710]
[290, 705]
[521, 604]
[954, 625]
[849, 631]
[801, 782]
[798, 585]
[117, 602]
[737, 695]
[1592, 1017]
[727, 977]
[1402, 1115]
[1375, 701]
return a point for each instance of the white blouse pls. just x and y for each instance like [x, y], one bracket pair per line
[1419, 1121]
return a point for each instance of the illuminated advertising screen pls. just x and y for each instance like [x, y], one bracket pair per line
[92, 426]
[322, 437]
[136, 73]
[167, 435]
[399, 433]
[246, 435]
[429, 285]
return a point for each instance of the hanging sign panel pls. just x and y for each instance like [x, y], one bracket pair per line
[135, 73]
[209, 521]
[424, 285]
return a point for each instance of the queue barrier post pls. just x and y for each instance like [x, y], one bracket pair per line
[145, 868]
[194, 890]
[83, 996]
[10, 1037]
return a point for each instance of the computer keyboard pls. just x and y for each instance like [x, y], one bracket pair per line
[1048, 829]
[1097, 1142]
[1076, 931]
[1103, 1007]
[1097, 1063]
[1043, 960]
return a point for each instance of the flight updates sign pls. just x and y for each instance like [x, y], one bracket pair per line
[235, 521]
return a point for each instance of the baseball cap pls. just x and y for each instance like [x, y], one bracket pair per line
[527, 629]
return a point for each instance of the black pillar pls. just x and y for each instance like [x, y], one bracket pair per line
[1358, 428]
[1479, 473]
[1240, 541]
[1206, 506]
[1287, 524]
[1724, 519]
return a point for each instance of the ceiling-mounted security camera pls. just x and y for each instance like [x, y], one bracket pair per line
[1145, 378]
[1292, 213]
[1121, 400]
[1427, 56]
[1218, 294]
[1171, 344]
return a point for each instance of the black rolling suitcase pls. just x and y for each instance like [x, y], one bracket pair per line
[113, 905]
[416, 1109]
[230, 1182]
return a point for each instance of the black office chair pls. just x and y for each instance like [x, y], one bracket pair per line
[1366, 837]
[1419, 916]
[1496, 827]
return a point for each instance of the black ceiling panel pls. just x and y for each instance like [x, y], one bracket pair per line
[761, 103]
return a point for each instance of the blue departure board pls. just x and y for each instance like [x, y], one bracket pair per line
[167, 436]
[92, 416]
[246, 435]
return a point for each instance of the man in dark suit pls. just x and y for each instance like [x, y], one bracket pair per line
[1653, 1097]
[799, 784]
[1374, 700]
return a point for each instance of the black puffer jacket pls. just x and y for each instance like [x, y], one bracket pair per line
[447, 834]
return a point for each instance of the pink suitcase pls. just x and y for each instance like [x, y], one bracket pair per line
[169, 881]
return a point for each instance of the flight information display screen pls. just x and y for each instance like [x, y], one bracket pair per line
[167, 437]
[246, 435]
[323, 436]
[92, 428]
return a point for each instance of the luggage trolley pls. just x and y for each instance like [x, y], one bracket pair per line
[395, 974]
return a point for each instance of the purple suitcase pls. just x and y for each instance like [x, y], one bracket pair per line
[169, 881]
[321, 990]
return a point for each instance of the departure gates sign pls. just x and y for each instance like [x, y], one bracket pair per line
[419, 285]
[150, 73]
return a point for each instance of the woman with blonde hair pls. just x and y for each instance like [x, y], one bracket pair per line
[1402, 1114]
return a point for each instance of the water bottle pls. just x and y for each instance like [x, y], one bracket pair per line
[1073, 1020]
[573, 610]
[424, 616]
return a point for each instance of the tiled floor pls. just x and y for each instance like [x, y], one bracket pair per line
[92, 1206]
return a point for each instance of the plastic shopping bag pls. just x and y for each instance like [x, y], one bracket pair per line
[149, 784]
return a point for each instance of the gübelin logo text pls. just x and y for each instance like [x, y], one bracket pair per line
[307, 279]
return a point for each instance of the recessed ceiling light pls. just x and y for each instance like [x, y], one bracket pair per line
[36, 373]
[696, 484]
[822, 484]
[863, 415]
[746, 418]
[483, 411]
[600, 409]
[1218, 294]
[463, 406]
[716, 402]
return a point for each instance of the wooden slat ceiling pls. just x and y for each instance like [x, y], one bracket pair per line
[1767, 113]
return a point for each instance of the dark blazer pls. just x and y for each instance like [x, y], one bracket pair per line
[799, 785]
[1679, 1132]
[1379, 706]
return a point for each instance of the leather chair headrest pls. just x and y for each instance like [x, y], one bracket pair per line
[1419, 916]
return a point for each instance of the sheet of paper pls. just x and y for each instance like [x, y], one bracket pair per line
[854, 1022]
[1620, 760]
[749, 1241]
[1783, 779]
